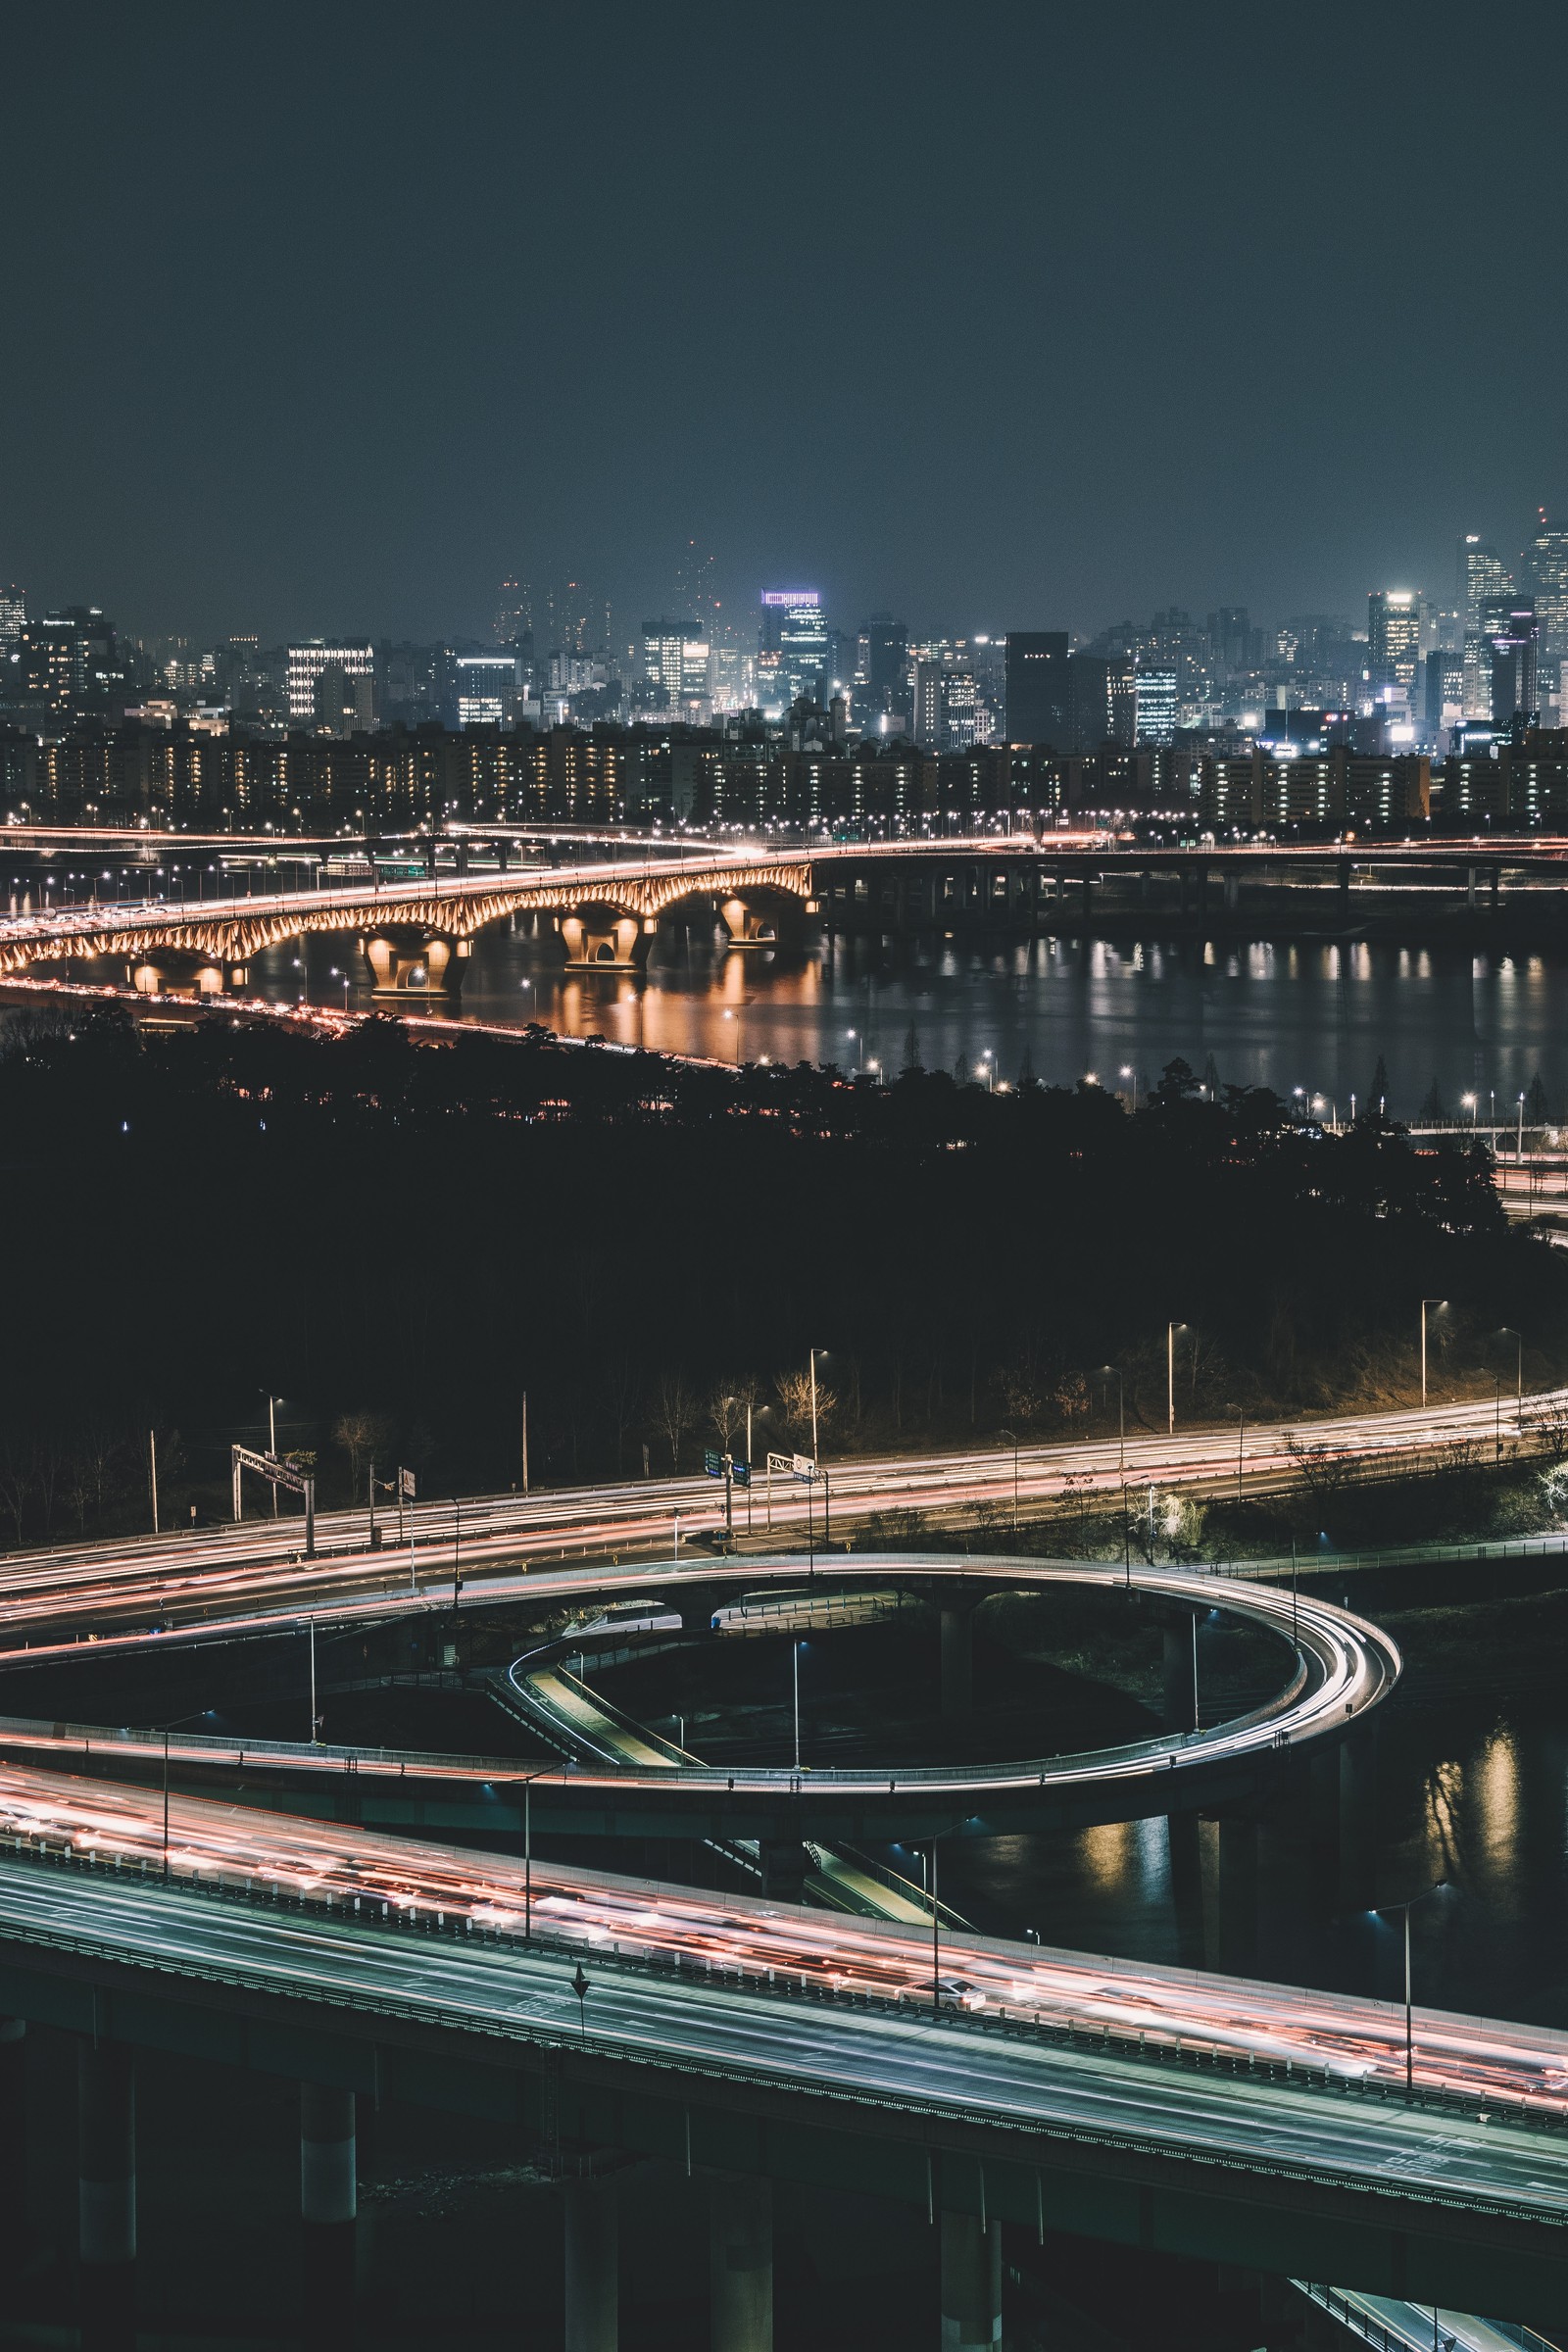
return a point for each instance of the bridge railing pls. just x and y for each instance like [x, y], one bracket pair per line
[226, 1881]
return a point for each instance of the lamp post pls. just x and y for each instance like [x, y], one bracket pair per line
[174, 1723]
[272, 1437]
[1409, 2015]
[1505, 1330]
[1425, 1304]
[812, 1356]
[1172, 1329]
[1519, 1149]
[795, 1658]
[1010, 1437]
[1127, 1071]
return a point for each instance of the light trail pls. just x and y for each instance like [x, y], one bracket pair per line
[370, 1876]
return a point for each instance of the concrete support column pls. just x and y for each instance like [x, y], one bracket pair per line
[12, 2136]
[785, 1863]
[1186, 1886]
[958, 1664]
[971, 2282]
[1237, 1893]
[1179, 1687]
[106, 2165]
[591, 2217]
[1358, 1821]
[741, 2264]
[328, 2203]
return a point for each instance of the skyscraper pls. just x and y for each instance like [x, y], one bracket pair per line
[1548, 576]
[1482, 574]
[1509, 627]
[695, 598]
[12, 617]
[1393, 638]
[794, 629]
[514, 620]
[886, 662]
[306, 663]
[1155, 706]
[1037, 686]
[676, 656]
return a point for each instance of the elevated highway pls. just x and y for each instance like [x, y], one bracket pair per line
[1258, 2124]
[1245, 2122]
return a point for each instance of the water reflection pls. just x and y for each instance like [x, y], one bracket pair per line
[1279, 1014]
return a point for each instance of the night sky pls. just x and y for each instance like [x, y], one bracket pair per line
[323, 317]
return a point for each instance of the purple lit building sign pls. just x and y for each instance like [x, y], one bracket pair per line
[792, 596]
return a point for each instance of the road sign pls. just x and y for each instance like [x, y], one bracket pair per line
[713, 1463]
[741, 1472]
[803, 1466]
[405, 1486]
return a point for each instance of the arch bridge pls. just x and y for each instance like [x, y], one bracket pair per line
[416, 936]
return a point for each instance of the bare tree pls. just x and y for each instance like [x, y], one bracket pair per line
[15, 1481]
[674, 1411]
[794, 1392]
[361, 1433]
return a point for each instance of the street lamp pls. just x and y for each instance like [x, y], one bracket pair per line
[272, 1437]
[1010, 1437]
[1127, 1071]
[1505, 1330]
[812, 1353]
[1468, 1103]
[1425, 1304]
[1409, 2033]
[1172, 1329]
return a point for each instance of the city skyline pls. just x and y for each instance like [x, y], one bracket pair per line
[1164, 375]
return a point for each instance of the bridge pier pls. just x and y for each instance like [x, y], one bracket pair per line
[329, 2204]
[1237, 1893]
[1179, 1673]
[591, 2215]
[971, 2282]
[407, 963]
[106, 2165]
[750, 926]
[741, 2264]
[1183, 1836]
[957, 1661]
[785, 1863]
[601, 939]
[182, 972]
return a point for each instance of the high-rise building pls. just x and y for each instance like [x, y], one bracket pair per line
[1509, 627]
[1101, 701]
[305, 664]
[68, 661]
[1155, 692]
[484, 689]
[793, 628]
[576, 623]
[675, 658]
[1393, 638]
[1037, 687]
[1482, 575]
[1444, 692]
[1548, 558]
[926, 716]
[514, 620]
[12, 617]
[960, 711]
[695, 595]
[887, 663]
[1236, 645]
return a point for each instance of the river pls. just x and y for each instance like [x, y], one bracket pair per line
[1280, 1014]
